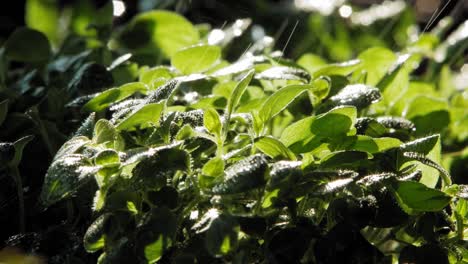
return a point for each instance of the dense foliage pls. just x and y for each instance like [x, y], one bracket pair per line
[355, 156]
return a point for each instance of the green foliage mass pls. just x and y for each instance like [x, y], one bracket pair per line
[188, 156]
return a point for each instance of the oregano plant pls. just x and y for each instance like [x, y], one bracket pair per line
[188, 155]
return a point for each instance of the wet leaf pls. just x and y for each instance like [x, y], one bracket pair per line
[284, 73]
[87, 127]
[283, 172]
[156, 166]
[65, 176]
[244, 175]
[357, 95]
[421, 145]
[93, 239]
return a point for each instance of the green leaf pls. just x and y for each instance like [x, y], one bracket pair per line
[212, 121]
[142, 117]
[86, 128]
[396, 123]
[114, 95]
[344, 68]
[43, 15]
[158, 72]
[421, 145]
[311, 62]
[159, 32]
[459, 191]
[93, 239]
[278, 101]
[185, 132]
[283, 172]
[357, 95]
[222, 235]
[423, 105]
[90, 20]
[90, 77]
[18, 46]
[376, 62]
[196, 59]
[19, 147]
[321, 89]
[3, 110]
[65, 176]
[337, 122]
[274, 148]
[339, 159]
[155, 250]
[374, 145]
[415, 197]
[156, 233]
[107, 157]
[308, 133]
[237, 94]
[429, 114]
[430, 147]
[297, 131]
[214, 167]
[244, 175]
[104, 131]
[156, 166]
[71, 146]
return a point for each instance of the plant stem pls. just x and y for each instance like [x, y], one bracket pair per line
[19, 189]
[219, 148]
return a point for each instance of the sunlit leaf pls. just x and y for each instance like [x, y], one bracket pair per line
[278, 101]
[415, 197]
[284, 73]
[196, 59]
[247, 174]
[141, 117]
[159, 32]
[274, 148]
[212, 121]
[114, 95]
